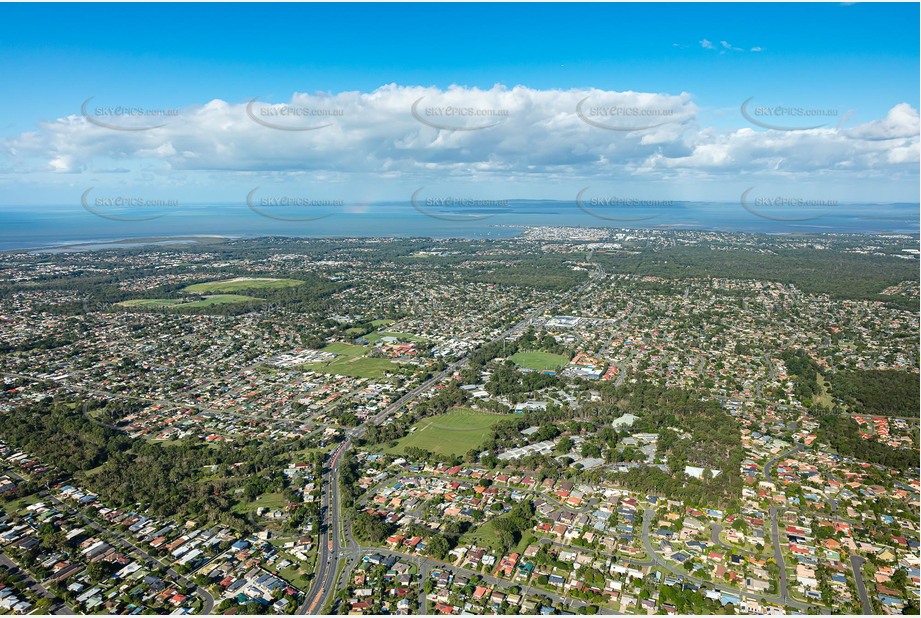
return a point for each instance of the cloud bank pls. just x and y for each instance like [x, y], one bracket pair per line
[474, 133]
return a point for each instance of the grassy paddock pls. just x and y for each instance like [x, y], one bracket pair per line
[453, 433]
[222, 299]
[241, 283]
[172, 303]
[152, 302]
[269, 501]
[539, 361]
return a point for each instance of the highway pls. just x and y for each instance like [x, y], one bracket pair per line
[327, 551]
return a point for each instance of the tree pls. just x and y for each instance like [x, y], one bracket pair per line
[99, 570]
[590, 449]
[563, 446]
[370, 527]
[438, 546]
[43, 606]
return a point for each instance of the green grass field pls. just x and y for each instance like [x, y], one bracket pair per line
[351, 361]
[345, 349]
[359, 367]
[482, 535]
[294, 575]
[539, 361]
[486, 535]
[379, 323]
[221, 299]
[217, 299]
[237, 284]
[269, 501]
[152, 302]
[824, 397]
[21, 503]
[453, 433]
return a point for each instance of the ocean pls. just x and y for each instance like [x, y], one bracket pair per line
[24, 227]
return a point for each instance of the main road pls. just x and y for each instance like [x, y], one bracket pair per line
[327, 552]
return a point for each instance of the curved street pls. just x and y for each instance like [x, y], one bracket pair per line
[661, 562]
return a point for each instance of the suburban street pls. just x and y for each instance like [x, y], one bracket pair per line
[58, 608]
[661, 562]
[768, 466]
[856, 566]
[778, 557]
[431, 563]
[132, 548]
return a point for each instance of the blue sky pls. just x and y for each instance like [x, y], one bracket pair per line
[859, 60]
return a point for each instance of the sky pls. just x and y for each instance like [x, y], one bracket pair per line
[371, 102]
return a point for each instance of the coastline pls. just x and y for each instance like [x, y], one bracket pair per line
[103, 244]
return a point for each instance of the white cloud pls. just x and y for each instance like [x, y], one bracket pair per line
[726, 46]
[729, 47]
[530, 133]
[900, 123]
[859, 151]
